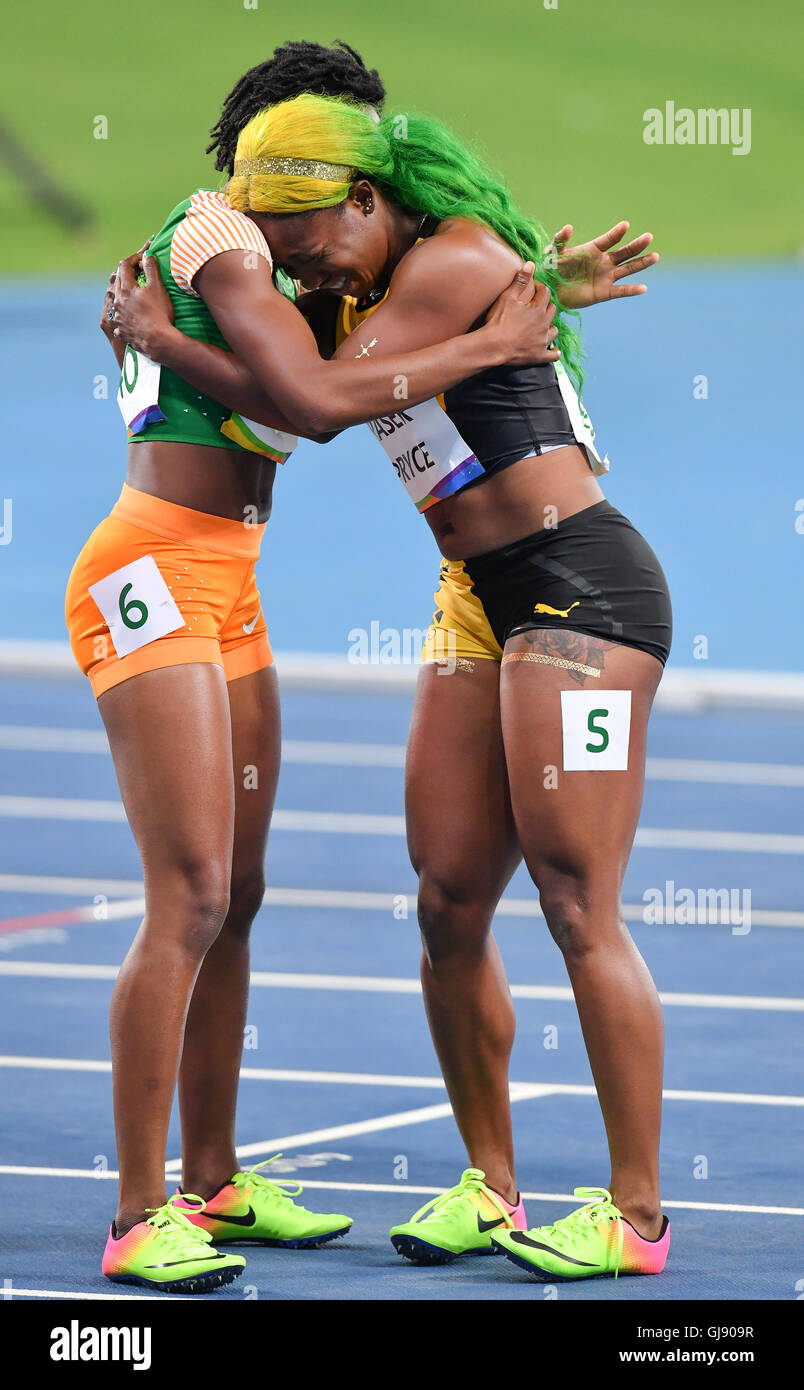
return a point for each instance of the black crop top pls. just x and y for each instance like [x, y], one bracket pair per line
[480, 426]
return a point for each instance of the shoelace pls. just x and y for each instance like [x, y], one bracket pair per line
[473, 1180]
[180, 1228]
[276, 1187]
[581, 1223]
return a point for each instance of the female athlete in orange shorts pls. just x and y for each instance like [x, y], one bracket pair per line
[165, 619]
[559, 620]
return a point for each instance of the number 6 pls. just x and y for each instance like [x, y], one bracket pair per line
[125, 610]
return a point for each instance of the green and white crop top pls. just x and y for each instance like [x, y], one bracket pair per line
[156, 404]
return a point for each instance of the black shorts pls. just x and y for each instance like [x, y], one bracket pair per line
[592, 573]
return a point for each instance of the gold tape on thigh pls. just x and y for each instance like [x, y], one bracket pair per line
[458, 663]
[542, 659]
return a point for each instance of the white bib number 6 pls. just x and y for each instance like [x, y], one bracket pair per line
[138, 393]
[136, 604]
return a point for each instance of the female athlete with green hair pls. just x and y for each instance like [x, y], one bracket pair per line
[551, 628]
[166, 620]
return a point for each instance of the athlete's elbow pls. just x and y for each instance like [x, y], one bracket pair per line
[314, 423]
[263, 415]
[318, 420]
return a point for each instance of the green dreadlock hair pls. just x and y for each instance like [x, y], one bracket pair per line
[306, 153]
[433, 171]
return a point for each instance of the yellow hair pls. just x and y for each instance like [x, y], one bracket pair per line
[306, 127]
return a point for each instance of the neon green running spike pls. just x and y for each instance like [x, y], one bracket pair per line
[253, 1210]
[590, 1243]
[457, 1223]
[168, 1252]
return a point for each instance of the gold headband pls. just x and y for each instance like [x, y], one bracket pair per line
[301, 168]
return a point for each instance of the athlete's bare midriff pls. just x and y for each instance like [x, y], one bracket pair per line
[223, 482]
[511, 504]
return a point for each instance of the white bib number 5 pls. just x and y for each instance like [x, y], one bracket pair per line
[596, 726]
[136, 604]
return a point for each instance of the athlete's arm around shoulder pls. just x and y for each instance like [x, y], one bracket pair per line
[441, 287]
[264, 329]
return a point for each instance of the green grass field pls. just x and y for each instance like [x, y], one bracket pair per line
[554, 97]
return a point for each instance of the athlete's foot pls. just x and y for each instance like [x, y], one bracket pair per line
[459, 1222]
[210, 1183]
[502, 1183]
[592, 1242]
[250, 1209]
[166, 1251]
[645, 1217]
[125, 1220]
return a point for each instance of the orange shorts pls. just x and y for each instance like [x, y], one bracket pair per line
[161, 585]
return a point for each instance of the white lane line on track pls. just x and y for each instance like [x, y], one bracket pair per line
[722, 841]
[359, 823]
[58, 885]
[716, 772]
[324, 754]
[61, 808]
[36, 739]
[390, 984]
[72, 916]
[569, 1197]
[334, 1185]
[69, 1295]
[401, 1119]
[344, 899]
[335, 1078]
[321, 1184]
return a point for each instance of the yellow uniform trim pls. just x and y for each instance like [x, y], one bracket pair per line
[460, 628]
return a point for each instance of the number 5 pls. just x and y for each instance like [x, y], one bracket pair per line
[593, 729]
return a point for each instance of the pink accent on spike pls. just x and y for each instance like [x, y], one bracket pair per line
[517, 1214]
[224, 1203]
[640, 1256]
[119, 1252]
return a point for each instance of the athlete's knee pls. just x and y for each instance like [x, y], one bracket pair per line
[452, 919]
[572, 910]
[191, 900]
[247, 893]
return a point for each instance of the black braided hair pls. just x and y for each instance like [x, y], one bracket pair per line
[295, 67]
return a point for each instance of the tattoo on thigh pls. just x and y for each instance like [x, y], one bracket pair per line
[577, 653]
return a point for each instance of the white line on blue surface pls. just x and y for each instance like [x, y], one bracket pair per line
[391, 984]
[520, 1090]
[327, 753]
[340, 899]
[20, 1170]
[70, 1294]
[360, 823]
